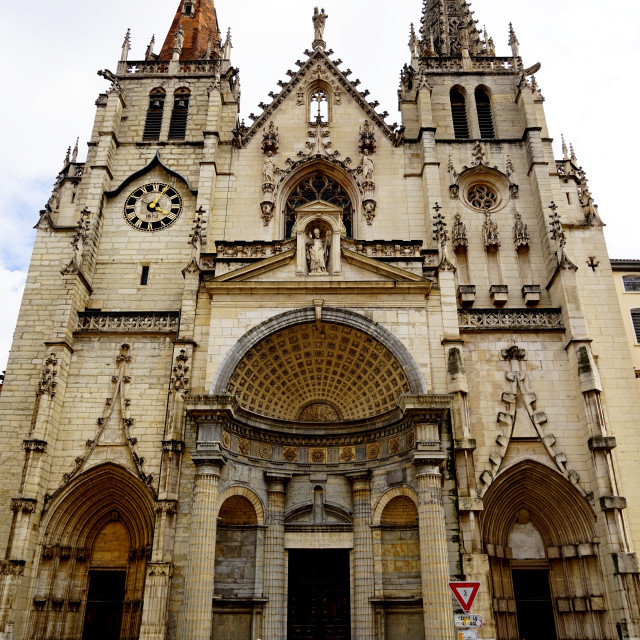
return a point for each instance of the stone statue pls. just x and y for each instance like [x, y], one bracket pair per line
[178, 39]
[319, 20]
[317, 252]
[367, 166]
[268, 172]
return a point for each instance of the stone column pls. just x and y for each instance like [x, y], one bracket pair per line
[196, 609]
[436, 598]
[274, 627]
[363, 590]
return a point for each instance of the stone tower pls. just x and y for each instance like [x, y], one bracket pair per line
[287, 380]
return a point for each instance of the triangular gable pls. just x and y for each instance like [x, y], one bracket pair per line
[370, 270]
[319, 56]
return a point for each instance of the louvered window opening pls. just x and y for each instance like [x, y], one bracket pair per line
[153, 124]
[459, 115]
[635, 318]
[179, 116]
[631, 283]
[485, 118]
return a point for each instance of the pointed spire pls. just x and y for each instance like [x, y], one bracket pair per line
[565, 151]
[199, 22]
[126, 46]
[149, 52]
[74, 155]
[414, 43]
[513, 42]
[447, 28]
[67, 158]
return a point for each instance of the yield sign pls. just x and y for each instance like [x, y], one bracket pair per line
[465, 593]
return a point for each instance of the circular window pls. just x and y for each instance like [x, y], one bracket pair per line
[482, 197]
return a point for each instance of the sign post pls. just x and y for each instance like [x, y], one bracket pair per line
[465, 593]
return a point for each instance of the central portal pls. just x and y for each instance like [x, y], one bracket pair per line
[319, 607]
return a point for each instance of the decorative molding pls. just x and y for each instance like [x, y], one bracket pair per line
[40, 446]
[12, 568]
[128, 322]
[510, 319]
[25, 505]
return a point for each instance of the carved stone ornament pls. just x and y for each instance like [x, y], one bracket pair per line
[319, 20]
[367, 140]
[317, 252]
[490, 233]
[317, 455]
[270, 139]
[373, 451]
[520, 233]
[459, 234]
[47, 383]
[244, 446]
[347, 454]
[179, 379]
[266, 451]
[290, 454]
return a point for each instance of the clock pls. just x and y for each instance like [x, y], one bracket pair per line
[152, 207]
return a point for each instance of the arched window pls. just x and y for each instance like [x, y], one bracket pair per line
[189, 8]
[318, 186]
[459, 113]
[319, 106]
[153, 123]
[179, 115]
[485, 118]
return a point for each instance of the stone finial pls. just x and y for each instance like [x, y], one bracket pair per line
[513, 42]
[565, 151]
[227, 46]
[367, 139]
[148, 55]
[126, 46]
[74, 154]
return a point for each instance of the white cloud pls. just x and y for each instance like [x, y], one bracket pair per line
[11, 290]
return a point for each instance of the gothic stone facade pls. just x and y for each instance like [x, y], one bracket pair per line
[286, 381]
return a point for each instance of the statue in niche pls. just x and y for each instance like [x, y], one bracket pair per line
[367, 166]
[268, 172]
[317, 251]
[319, 20]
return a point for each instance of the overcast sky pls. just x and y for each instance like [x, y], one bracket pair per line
[52, 50]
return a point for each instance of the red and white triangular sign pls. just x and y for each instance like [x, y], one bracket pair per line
[465, 593]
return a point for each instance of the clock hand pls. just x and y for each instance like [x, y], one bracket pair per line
[153, 205]
[159, 210]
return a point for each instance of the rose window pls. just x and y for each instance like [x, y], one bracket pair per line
[482, 197]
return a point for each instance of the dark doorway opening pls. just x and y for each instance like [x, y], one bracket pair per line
[103, 618]
[319, 607]
[533, 604]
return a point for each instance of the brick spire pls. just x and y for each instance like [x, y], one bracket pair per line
[201, 34]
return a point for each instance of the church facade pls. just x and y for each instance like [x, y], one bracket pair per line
[288, 380]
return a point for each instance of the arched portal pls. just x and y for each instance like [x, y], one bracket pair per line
[91, 569]
[546, 578]
[342, 368]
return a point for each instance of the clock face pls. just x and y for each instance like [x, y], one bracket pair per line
[152, 207]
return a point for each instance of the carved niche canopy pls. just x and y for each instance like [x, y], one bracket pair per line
[320, 372]
[319, 186]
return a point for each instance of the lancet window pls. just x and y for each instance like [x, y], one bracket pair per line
[180, 114]
[319, 187]
[459, 113]
[319, 106]
[153, 123]
[485, 117]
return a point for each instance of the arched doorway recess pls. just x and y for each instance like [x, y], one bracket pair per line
[546, 578]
